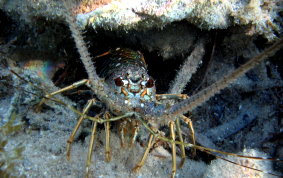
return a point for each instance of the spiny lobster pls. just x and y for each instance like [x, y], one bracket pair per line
[122, 84]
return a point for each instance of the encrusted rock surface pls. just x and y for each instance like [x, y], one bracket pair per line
[261, 17]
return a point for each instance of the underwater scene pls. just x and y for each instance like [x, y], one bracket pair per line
[161, 88]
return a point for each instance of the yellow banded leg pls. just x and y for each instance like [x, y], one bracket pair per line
[171, 96]
[141, 163]
[189, 122]
[123, 130]
[71, 138]
[135, 133]
[90, 148]
[107, 138]
[172, 134]
[182, 147]
[70, 87]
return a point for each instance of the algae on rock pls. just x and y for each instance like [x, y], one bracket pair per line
[9, 157]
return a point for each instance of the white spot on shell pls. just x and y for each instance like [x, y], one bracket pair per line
[149, 91]
[125, 82]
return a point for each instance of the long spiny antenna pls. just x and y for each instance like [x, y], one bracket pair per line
[207, 93]
[83, 50]
[189, 67]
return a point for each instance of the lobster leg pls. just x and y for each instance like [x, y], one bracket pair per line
[107, 139]
[70, 87]
[171, 96]
[189, 122]
[71, 138]
[172, 134]
[122, 130]
[182, 147]
[135, 133]
[149, 145]
[90, 148]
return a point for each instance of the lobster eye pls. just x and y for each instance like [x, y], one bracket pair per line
[149, 83]
[119, 82]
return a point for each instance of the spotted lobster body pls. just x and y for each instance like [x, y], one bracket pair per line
[125, 72]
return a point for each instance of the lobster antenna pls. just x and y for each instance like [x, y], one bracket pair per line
[82, 48]
[207, 93]
[189, 67]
